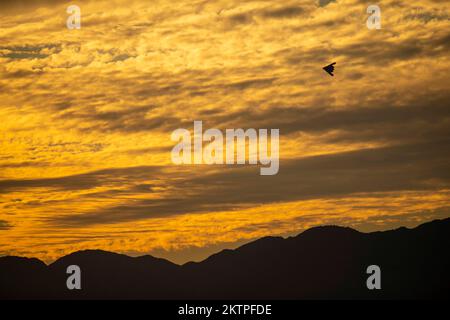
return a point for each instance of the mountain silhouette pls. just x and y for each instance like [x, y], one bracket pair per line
[327, 262]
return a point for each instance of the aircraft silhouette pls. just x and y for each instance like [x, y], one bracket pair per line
[330, 69]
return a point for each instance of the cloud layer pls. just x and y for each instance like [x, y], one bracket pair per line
[87, 116]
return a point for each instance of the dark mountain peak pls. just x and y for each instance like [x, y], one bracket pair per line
[91, 256]
[92, 253]
[435, 224]
[21, 276]
[14, 261]
[327, 233]
[330, 229]
[105, 259]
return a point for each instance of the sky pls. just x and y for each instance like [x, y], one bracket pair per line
[86, 118]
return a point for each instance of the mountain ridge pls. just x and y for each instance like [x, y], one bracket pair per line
[319, 263]
[320, 227]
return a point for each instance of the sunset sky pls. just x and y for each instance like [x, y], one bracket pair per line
[86, 118]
